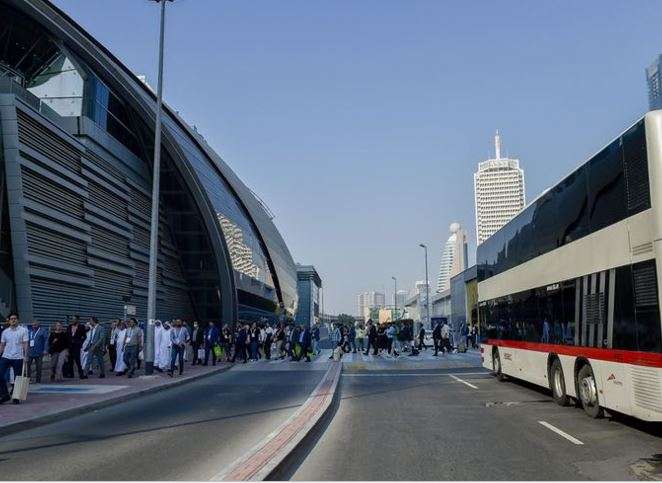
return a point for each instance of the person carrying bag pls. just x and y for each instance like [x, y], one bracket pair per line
[21, 384]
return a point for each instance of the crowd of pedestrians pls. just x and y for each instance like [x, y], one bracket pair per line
[95, 349]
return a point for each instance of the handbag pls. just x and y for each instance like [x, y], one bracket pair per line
[201, 353]
[21, 384]
[218, 351]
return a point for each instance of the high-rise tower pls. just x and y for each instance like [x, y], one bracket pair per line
[453, 256]
[498, 191]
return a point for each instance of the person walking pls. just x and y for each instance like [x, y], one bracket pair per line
[226, 342]
[58, 348]
[372, 338]
[96, 348]
[446, 337]
[315, 337]
[351, 335]
[268, 341]
[38, 342]
[391, 334]
[254, 342]
[436, 337]
[120, 339]
[112, 344]
[13, 350]
[421, 339]
[306, 342]
[336, 338]
[212, 337]
[179, 336]
[77, 334]
[133, 343]
[360, 338]
[240, 344]
[197, 340]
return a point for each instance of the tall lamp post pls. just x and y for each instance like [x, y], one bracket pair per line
[395, 296]
[427, 282]
[154, 229]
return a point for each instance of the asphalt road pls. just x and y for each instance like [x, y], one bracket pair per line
[427, 425]
[190, 432]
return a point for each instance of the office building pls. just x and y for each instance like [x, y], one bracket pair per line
[367, 301]
[498, 192]
[309, 287]
[77, 152]
[453, 256]
[654, 80]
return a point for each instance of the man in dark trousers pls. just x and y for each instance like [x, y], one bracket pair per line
[372, 338]
[436, 337]
[306, 343]
[197, 341]
[212, 336]
[240, 344]
[76, 333]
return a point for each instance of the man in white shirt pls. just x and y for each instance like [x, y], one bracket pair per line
[13, 349]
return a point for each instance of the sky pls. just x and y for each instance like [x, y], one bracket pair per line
[360, 123]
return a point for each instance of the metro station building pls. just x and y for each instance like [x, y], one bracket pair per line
[76, 147]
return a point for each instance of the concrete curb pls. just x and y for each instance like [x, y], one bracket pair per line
[78, 410]
[272, 457]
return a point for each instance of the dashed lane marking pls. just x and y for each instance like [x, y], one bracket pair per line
[570, 438]
[463, 381]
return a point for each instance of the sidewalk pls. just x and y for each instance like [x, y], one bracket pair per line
[54, 401]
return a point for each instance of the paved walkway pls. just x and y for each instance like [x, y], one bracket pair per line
[48, 402]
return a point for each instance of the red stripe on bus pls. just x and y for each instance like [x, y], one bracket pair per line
[650, 359]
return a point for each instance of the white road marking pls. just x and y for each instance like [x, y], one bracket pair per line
[572, 439]
[463, 381]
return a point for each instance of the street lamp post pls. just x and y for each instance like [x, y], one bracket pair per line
[427, 282]
[395, 296]
[154, 228]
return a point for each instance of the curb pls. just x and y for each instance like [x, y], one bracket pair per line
[78, 410]
[271, 458]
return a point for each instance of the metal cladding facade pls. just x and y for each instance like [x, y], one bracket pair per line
[77, 145]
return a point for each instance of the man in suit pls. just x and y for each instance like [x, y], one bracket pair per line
[372, 338]
[96, 348]
[212, 336]
[306, 342]
[240, 344]
[436, 337]
[76, 333]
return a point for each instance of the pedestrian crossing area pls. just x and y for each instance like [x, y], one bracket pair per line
[358, 360]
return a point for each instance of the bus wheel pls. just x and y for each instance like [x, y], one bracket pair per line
[588, 392]
[557, 383]
[496, 365]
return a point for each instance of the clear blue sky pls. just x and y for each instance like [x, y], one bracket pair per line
[361, 122]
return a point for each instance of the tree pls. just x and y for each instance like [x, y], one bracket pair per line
[345, 319]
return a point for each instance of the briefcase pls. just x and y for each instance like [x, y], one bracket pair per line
[21, 384]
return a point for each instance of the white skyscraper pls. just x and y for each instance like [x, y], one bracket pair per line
[498, 192]
[453, 256]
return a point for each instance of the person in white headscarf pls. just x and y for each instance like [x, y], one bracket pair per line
[120, 366]
[164, 352]
[158, 335]
[84, 354]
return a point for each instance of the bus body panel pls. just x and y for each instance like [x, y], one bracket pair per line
[626, 388]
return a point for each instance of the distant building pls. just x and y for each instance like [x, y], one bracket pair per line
[654, 80]
[453, 256]
[309, 285]
[369, 300]
[498, 192]
[401, 298]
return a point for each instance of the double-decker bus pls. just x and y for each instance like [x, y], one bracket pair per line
[568, 292]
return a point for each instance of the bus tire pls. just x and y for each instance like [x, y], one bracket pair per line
[496, 365]
[587, 391]
[557, 383]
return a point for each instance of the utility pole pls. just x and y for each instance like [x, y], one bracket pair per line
[427, 282]
[154, 229]
[395, 296]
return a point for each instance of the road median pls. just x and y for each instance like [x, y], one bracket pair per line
[271, 458]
